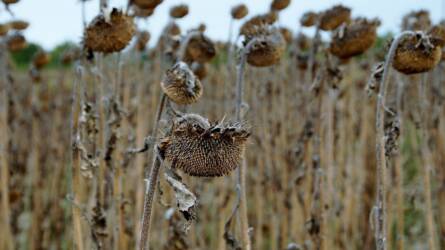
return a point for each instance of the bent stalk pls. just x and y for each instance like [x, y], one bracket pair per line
[380, 208]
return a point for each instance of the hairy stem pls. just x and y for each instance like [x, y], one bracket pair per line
[380, 209]
[151, 185]
[148, 203]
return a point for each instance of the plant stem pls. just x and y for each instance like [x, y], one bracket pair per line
[313, 52]
[5, 216]
[380, 211]
[241, 180]
[151, 185]
[75, 137]
[148, 204]
[154, 171]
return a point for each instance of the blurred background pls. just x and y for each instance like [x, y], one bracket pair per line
[56, 21]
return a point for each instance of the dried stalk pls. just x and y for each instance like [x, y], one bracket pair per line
[151, 184]
[380, 208]
[5, 219]
[241, 171]
[154, 172]
[75, 168]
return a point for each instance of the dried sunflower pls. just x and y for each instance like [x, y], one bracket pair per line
[332, 18]
[111, 35]
[179, 11]
[146, 4]
[16, 42]
[7, 2]
[416, 20]
[259, 20]
[239, 11]
[202, 149]
[200, 49]
[279, 4]
[18, 25]
[40, 59]
[309, 19]
[354, 38]
[416, 54]
[181, 85]
[268, 47]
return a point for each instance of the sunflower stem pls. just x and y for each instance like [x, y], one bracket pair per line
[241, 180]
[380, 207]
[151, 185]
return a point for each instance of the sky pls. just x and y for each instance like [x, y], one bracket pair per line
[57, 21]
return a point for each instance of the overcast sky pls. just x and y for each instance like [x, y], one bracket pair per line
[56, 21]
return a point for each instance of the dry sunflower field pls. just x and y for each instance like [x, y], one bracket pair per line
[269, 140]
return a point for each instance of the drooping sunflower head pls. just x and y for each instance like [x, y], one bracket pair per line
[204, 149]
[181, 85]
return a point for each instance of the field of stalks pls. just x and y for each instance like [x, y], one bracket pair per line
[270, 140]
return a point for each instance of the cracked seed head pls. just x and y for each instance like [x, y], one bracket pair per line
[331, 18]
[416, 54]
[204, 149]
[354, 38]
[279, 4]
[239, 11]
[111, 36]
[268, 48]
[179, 11]
[181, 85]
[200, 49]
[309, 19]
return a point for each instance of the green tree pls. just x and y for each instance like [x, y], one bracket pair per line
[23, 58]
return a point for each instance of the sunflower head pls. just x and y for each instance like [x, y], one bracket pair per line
[204, 149]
